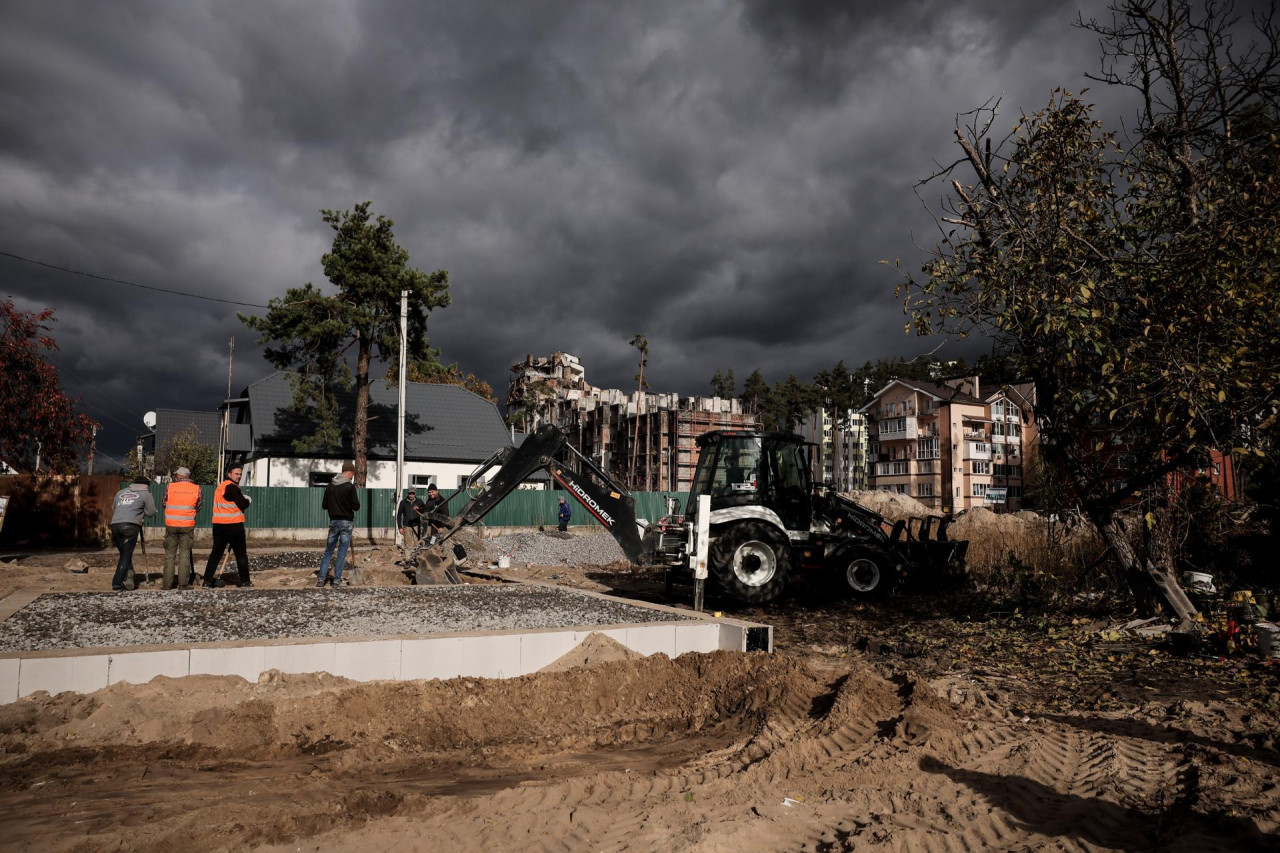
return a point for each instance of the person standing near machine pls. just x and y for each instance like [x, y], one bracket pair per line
[566, 513]
[409, 519]
[436, 509]
[229, 504]
[132, 504]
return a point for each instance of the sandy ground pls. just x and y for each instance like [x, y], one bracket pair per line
[884, 726]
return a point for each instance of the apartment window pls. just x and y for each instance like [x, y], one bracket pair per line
[902, 490]
[997, 409]
[924, 467]
[927, 448]
[891, 469]
[980, 467]
[925, 490]
[979, 447]
[1012, 451]
[979, 490]
[997, 428]
[1015, 429]
[893, 425]
[1014, 491]
[931, 407]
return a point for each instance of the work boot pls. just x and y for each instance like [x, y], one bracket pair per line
[246, 584]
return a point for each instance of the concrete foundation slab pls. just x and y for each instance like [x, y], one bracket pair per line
[85, 641]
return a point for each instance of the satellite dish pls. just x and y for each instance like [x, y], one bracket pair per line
[149, 419]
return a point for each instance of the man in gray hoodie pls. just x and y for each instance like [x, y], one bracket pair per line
[133, 503]
[341, 500]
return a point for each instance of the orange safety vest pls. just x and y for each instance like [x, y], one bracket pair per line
[225, 511]
[180, 504]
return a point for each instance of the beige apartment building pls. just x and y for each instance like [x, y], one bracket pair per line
[947, 446]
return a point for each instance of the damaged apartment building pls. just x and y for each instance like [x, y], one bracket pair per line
[646, 440]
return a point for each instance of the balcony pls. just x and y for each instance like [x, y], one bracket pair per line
[897, 429]
[974, 435]
[977, 450]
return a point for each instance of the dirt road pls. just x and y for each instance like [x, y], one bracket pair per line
[903, 726]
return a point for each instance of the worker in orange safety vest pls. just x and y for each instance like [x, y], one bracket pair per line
[181, 503]
[229, 504]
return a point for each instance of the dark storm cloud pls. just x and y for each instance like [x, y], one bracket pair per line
[721, 176]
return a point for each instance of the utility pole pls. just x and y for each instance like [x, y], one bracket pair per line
[641, 343]
[404, 348]
[224, 439]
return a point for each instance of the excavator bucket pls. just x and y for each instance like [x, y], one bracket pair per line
[438, 566]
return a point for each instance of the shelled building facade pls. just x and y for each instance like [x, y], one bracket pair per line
[950, 447]
[644, 439]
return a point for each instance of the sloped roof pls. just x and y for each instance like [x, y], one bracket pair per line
[170, 422]
[442, 422]
[941, 393]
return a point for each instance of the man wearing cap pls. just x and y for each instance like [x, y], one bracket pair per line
[341, 500]
[229, 504]
[409, 519]
[436, 509]
[566, 513]
[181, 503]
[132, 504]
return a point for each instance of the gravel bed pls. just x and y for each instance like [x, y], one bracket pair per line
[554, 548]
[280, 560]
[109, 620]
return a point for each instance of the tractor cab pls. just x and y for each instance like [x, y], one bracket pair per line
[741, 469]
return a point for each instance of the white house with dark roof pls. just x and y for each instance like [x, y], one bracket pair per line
[448, 432]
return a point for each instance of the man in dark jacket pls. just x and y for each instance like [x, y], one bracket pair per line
[436, 509]
[566, 513]
[409, 518]
[133, 504]
[341, 500]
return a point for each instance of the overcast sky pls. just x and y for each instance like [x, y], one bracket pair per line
[722, 176]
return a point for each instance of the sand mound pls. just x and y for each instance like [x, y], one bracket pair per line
[595, 649]
[891, 505]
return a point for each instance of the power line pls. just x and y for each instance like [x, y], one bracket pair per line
[132, 283]
[101, 410]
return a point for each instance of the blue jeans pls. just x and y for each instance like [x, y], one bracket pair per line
[124, 537]
[340, 535]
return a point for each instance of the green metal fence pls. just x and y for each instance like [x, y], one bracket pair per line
[284, 507]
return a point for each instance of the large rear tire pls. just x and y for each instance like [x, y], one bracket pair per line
[751, 562]
[863, 572]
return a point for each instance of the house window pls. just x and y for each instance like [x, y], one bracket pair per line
[462, 480]
[983, 468]
[979, 489]
[421, 481]
[321, 478]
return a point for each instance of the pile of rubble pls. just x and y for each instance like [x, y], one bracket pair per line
[553, 548]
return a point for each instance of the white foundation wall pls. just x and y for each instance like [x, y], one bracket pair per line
[269, 471]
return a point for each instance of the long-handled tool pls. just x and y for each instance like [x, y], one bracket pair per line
[146, 563]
